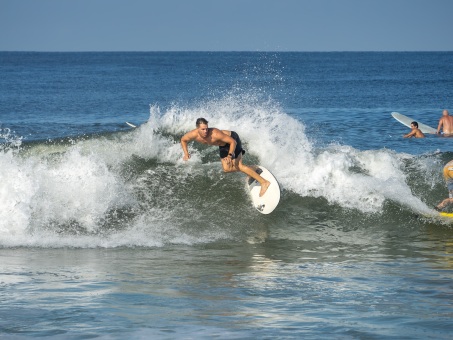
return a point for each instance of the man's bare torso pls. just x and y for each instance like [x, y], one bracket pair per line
[447, 124]
[213, 137]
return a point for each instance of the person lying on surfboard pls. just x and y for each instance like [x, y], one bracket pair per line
[448, 176]
[445, 123]
[416, 132]
[230, 149]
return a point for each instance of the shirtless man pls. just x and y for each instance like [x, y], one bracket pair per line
[230, 149]
[416, 132]
[445, 122]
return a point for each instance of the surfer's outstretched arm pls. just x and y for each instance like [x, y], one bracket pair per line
[439, 127]
[189, 136]
[444, 203]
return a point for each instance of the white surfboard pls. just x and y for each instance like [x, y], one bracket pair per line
[407, 121]
[131, 125]
[269, 201]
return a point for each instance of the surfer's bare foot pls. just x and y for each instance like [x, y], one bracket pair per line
[264, 188]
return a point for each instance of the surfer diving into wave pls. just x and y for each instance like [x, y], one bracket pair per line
[230, 149]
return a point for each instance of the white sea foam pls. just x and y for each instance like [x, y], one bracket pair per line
[80, 184]
[341, 174]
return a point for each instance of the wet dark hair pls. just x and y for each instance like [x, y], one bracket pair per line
[415, 124]
[201, 121]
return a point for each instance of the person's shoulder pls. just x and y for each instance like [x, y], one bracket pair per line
[217, 134]
[215, 131]
[190, 134]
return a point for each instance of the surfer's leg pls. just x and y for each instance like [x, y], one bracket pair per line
[251, 172]
[237, 165]
[249, 179]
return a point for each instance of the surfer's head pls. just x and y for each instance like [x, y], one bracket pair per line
[202, 127]
[201, 121]
[448, 171]
[445, 112]
[414, 124]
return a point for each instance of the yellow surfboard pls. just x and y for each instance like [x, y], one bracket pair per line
[445, 214]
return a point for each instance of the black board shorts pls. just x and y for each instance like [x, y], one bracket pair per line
[225, 149]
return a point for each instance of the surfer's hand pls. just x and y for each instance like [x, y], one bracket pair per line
[186, 157]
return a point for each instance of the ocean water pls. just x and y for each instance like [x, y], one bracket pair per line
[105, 232]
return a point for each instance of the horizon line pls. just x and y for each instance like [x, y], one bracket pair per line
[221, 51]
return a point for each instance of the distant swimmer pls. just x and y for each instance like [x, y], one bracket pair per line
[446, 124]
[448, 176]
[230, 149]
[416, 132]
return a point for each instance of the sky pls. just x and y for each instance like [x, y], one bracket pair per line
[226, 25]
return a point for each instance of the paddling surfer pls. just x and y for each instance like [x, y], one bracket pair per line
[230, 149]
[446, 124]
[416, 132]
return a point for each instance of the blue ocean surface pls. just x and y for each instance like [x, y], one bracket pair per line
[105, 232]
